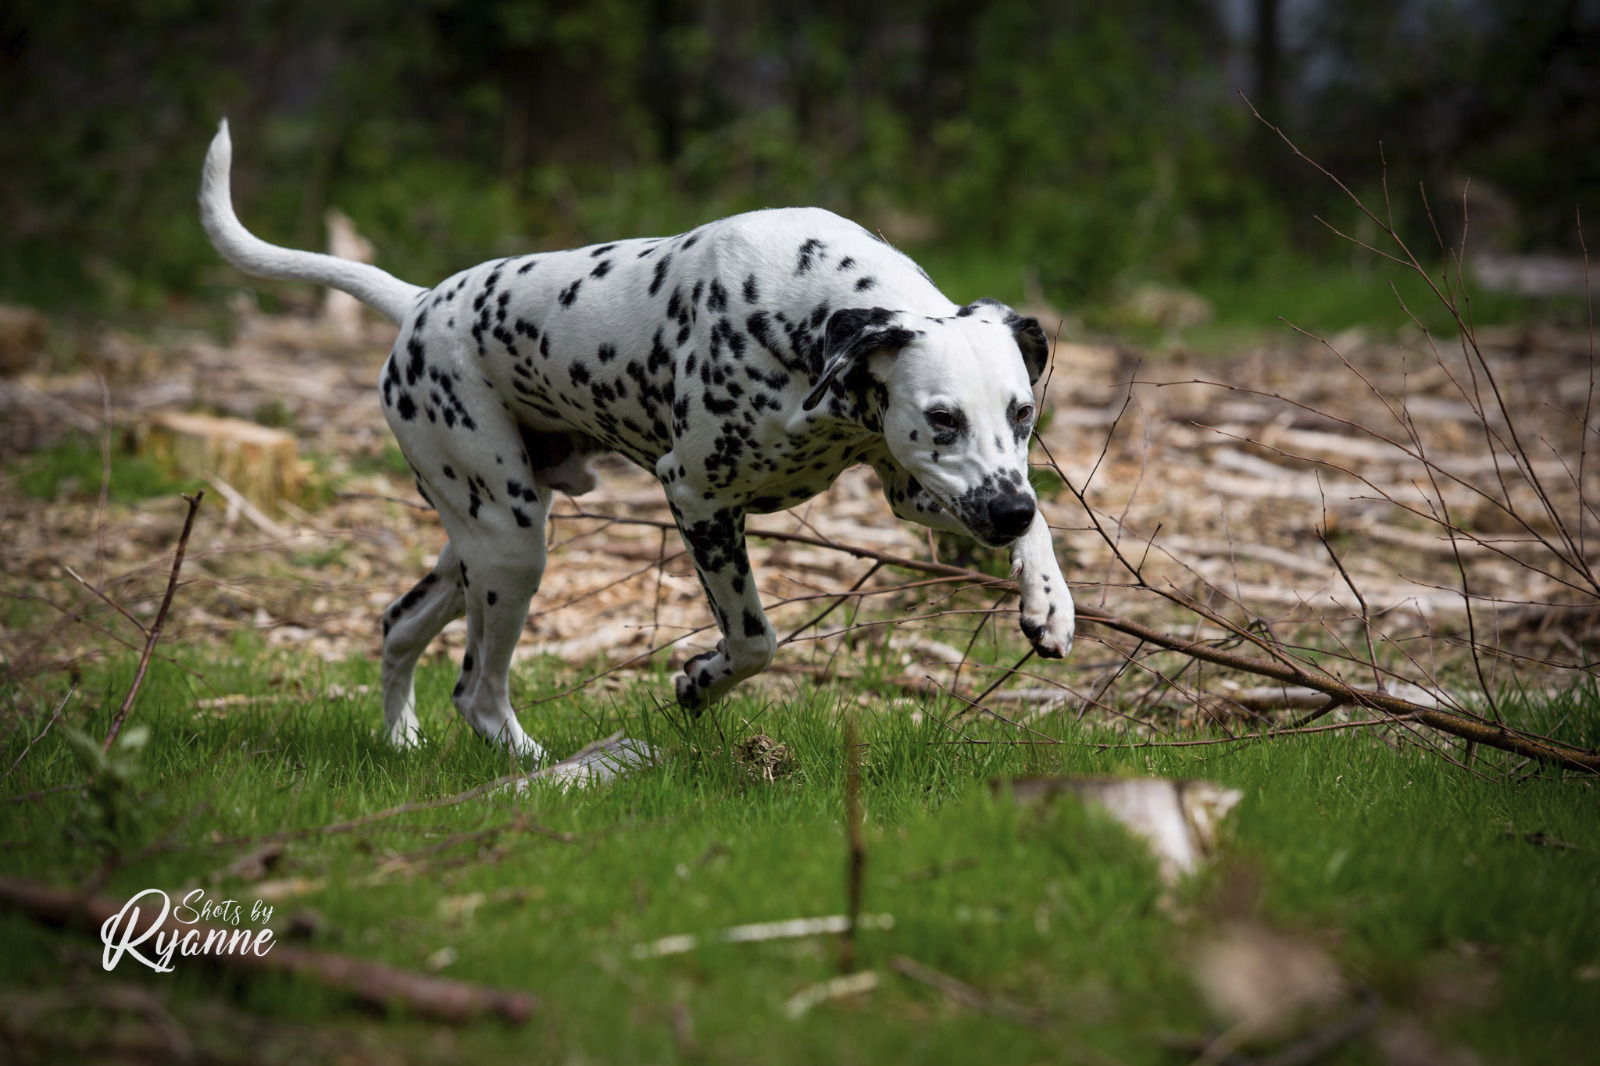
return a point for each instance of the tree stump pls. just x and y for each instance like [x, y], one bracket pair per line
[22, 337]
[261, 462]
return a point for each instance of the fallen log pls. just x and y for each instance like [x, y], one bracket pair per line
[440, 998]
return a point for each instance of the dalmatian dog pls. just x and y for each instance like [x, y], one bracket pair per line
[745, 363]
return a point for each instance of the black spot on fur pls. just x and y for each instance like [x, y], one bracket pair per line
[660, 274]
[809, 252]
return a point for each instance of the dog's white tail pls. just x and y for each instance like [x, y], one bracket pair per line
[383, 292]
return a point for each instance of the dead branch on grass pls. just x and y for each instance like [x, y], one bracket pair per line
[1283, 666]
[959, 992]
[440, 998]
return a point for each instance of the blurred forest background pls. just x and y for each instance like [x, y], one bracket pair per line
[1087, 145]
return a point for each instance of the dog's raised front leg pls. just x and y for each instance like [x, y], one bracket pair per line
[1048, 618]
[715, 539]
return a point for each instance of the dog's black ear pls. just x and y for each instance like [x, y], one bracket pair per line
[850, 334]
[1032, 342]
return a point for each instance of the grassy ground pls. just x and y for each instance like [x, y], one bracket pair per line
[1417, 878]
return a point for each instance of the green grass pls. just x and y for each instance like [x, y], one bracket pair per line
[76, 465]
[1327, 299]
[1396, 860]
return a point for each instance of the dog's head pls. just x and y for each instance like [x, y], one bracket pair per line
[955, 400]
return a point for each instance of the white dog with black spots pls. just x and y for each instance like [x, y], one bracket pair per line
[745, 363]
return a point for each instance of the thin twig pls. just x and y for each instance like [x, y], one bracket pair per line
[958, 991]
[107, 600]
[42, 732]
[855, 869]
[161, 617]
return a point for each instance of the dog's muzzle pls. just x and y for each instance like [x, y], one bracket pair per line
[1009, 517]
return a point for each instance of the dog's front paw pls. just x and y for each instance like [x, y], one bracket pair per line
[694, 685]
[1049, 624]
[691, 695]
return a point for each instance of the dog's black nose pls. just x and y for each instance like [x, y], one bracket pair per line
[1010, 516]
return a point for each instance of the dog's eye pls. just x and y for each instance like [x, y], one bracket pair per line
[942, 420]
[1024, 413]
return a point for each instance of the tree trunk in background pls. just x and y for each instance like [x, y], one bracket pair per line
[1267, 55]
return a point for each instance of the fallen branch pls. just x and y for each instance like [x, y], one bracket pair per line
[236, 500]
[958, 991]
[161, 616]
[440, 998]
[759, 932]
[1282, 669]
[853, 984]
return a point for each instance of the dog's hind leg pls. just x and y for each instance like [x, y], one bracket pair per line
[471, 464]
[409, 625]
[501, 565]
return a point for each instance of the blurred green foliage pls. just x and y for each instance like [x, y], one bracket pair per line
[1091, 144]
[77, 466]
